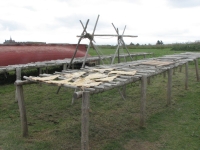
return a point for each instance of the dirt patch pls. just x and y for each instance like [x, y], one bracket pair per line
[142, 145]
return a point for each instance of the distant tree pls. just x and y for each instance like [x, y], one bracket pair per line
[137, 44]
[131, 43]
[158, 42]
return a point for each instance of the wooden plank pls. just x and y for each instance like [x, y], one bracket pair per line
[85, 121]
[143, 100]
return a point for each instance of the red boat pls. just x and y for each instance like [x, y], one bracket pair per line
[27, 53]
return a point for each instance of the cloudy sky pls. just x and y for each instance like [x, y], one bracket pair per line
[57, 21]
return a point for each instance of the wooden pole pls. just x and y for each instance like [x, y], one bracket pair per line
[22, 109]
[169, 86]
[85, 121]
[83, 64]
[18, 77]
[40, 71]
[186, 75]
[65, 66]
[118, 53]
[113, 59]
[95, 48]
[143, 100]
[197, 70]
[126, 49]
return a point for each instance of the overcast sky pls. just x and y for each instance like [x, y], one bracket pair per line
[57, 21]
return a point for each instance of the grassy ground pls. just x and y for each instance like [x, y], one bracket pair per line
[114, 123]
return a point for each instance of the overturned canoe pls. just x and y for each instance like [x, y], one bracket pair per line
[23, 54]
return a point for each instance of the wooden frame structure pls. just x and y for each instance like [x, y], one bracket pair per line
[124, 73]
[89, 36]
[64, 62]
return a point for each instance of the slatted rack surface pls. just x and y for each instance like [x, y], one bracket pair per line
[4, 69]
[98, 78]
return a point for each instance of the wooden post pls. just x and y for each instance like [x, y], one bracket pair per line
[85, 121]
[186, 75]
[169, 86]
[18, 77]
[40, 71]
[65, 66]
[22, 109]
[143, 100]
[197, 70]
[75, 90]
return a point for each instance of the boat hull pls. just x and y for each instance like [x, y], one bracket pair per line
[23, 54]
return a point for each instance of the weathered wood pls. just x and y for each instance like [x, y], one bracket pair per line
[143, 100]
[18, 77]
[40, 71]
[106, 87]
[85, 121]
[22, 110]
[197, 69]
[116, 35]
[20, 82]
[58, 90]
[65, 66]
[169, 86]
[44, 64]
[73, 97]
[186, 75]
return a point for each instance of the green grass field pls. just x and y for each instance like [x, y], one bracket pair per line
[55, 124]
